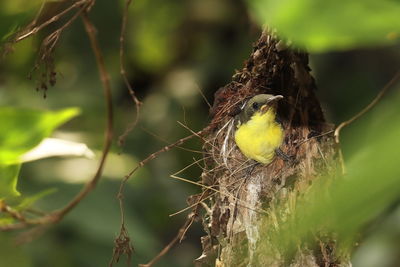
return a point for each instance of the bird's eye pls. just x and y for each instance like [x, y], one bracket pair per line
[255, 106]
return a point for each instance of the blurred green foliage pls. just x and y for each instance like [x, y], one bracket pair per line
[155, 48]
[20, 131]
[168, 64]
[175, 49]
[328, 25]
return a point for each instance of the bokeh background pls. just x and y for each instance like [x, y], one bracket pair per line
[176, 51]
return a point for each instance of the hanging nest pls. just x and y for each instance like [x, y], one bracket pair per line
[238, 192]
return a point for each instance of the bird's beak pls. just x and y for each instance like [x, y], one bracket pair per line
[274, 98]
[270, 101]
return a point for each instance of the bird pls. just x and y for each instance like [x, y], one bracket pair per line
[258, 134]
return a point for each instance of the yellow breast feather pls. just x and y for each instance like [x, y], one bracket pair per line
[259, 137]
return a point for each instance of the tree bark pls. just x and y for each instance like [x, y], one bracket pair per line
[240, 194]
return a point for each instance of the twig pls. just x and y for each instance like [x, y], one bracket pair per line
[121, 139]
[46, 23]
[45, 57]
[161, 139]
[315, 136]
[367, 108]
[204, 97]
[178, 237]
[193, 205]
[241, 202]
[105, 79]
[10, 211]
[165, 149]
[34, 21]
[181, 233]
[381, 93]
[120, 196]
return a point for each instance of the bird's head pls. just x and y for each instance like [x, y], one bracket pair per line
[258, 103]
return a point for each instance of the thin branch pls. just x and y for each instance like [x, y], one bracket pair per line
[204, 97]
[105, 79]
[178, 237]
[49, 21]
[45, 57]
[165, 149]
[162, 139]
[11, 212]
[242, 203]
[121, 139]
[155, 155]
[378, 97]
[122, 242]
[181, 233]
[315, 136]
[124, 247]
[193, 205]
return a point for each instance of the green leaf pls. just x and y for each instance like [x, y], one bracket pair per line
[8, 180]
[331, 25]
[23, 129]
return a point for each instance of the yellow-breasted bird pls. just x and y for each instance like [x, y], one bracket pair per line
[258, 134]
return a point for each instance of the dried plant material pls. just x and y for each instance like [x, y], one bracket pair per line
[247, 192]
